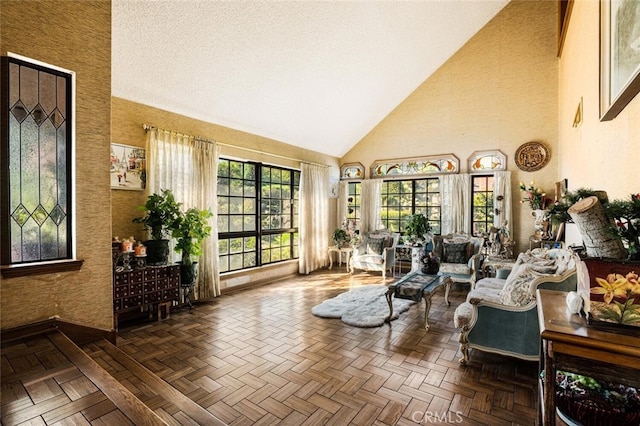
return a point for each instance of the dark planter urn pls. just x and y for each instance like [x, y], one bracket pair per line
[188, 274]
[157, 252]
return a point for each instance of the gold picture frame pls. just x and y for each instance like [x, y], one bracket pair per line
[619, 56]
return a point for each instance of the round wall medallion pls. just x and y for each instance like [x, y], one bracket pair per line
[532, 156]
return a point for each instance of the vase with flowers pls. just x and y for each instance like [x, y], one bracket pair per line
[537, 200]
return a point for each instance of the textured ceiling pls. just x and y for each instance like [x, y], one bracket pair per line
[315, 74]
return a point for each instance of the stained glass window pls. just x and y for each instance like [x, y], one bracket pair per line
[352, 171]
[36, 163]
[436, 164]
[487, 161]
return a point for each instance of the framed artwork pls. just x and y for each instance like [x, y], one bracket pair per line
[619, 55]
[128, 167]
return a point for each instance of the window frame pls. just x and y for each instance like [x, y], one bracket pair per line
[435, 225]
[8, 268]
[356, 202]
[489, 208]
[259, 233]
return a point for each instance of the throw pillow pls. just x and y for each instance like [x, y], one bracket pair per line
[375, 245]
[455, 252]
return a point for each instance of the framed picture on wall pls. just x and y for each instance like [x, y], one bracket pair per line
[619, 55]
[128, 167]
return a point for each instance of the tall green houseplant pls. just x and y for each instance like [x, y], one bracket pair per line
[190, 229]
[161, 212]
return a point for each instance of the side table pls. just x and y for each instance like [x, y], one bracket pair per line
[491, 264]
[416, 286]
[342, 251]
[406, 253]
[569, 343]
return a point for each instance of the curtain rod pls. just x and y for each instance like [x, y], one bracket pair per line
[148, 127]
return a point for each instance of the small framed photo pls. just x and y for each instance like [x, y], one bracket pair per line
[128, 167]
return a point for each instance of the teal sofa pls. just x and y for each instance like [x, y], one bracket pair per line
[500, 314]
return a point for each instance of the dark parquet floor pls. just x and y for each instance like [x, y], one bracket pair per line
[258, 356]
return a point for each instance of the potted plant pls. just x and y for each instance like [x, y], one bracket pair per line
[189, 230]
[162, 210]
[339, 237]
[417, 227]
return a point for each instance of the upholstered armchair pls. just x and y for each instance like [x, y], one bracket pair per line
[460, 256]
[500, 314]
[376, 253]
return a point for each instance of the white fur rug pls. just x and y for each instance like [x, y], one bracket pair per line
[364, 306]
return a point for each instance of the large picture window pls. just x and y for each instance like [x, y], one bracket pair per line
[257, 214]
[36, 161]
[403, 198]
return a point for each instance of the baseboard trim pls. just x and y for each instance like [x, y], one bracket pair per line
[80, 334]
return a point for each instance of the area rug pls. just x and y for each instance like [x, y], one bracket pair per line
[364, 306]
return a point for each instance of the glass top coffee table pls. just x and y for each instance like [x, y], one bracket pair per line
[415, 286]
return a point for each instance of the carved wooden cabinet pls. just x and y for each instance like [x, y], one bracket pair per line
[144, 288]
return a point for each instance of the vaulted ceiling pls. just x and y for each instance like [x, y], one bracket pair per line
[314, 74]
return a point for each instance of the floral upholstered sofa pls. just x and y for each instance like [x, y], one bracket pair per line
[500, 314]
[376, 252]
[459, 256]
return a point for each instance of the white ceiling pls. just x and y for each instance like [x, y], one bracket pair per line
[315, 74]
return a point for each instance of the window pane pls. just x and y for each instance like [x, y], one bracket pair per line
[249, 189]
[236, 188]
[223, 205]
[249, 223]
[223, 186]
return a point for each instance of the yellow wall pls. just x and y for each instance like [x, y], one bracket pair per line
[127, 120]
[497, 92]
[598, 155]
[75, 35]
[503, 88]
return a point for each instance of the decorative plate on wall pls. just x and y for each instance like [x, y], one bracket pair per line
[532, 156]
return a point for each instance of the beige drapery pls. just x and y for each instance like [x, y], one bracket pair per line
[343, 204]
[502, 188]
[313, 226]
[370, 205]
[188, 167]
[456, 204]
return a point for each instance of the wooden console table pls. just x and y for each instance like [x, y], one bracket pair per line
[152, 286]
[568, 343]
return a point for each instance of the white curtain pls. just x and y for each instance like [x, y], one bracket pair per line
[455, 193]
[502, 189]
[370, 205]
[313, 226]
[205, 182]
[343, 195]
[189, 169]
